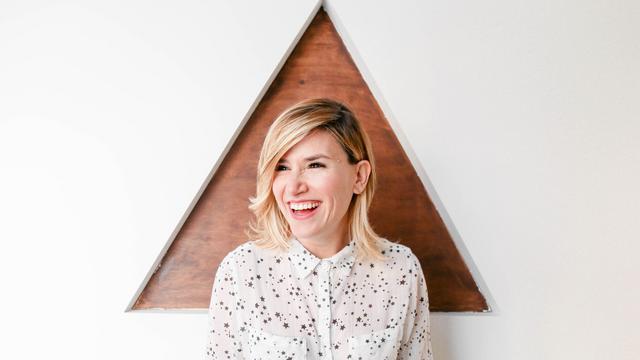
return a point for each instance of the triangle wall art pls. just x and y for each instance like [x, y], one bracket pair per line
[318, 66]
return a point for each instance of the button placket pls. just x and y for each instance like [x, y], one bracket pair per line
[325, 308]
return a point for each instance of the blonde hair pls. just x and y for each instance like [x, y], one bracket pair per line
[270, 228]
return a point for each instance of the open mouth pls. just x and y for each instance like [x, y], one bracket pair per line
[303, 210]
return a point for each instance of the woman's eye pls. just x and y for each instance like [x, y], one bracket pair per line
[316, 165]
[281, 168]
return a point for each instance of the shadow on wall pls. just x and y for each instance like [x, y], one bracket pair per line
[443, 337]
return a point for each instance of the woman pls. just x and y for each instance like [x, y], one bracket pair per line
[316, 282]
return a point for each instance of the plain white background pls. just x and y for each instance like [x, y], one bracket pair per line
[524, 115]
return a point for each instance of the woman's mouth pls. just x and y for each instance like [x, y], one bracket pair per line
[303, 210]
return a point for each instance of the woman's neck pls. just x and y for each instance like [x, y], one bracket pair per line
[326, 245]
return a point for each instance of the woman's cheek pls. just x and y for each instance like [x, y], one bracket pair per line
[327, 182]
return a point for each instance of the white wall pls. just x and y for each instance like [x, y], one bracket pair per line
[524, 115]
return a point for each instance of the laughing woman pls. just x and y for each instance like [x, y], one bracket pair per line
[315, 281]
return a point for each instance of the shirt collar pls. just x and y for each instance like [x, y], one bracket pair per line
[304, 262]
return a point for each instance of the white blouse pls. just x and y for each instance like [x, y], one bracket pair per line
[267, 304]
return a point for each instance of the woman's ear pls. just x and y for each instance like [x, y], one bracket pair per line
[363, 170]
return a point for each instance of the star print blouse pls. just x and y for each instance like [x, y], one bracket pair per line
[267, 304]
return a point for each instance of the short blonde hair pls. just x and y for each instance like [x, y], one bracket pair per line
[270, 228]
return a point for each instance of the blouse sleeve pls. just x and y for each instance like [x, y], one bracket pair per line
[223, 339]
[416, 341]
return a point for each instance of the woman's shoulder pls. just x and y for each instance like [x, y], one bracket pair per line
[246, 253]
[396, 251]
[400, 260]
[242, 250]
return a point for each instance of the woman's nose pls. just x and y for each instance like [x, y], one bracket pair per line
[296, 184]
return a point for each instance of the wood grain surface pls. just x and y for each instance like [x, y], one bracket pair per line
[319, 66]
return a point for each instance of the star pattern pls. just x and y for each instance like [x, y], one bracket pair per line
[267, 304]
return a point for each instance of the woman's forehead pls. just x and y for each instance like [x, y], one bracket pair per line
[318, 144]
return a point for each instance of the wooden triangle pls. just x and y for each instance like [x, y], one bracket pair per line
[319, 66]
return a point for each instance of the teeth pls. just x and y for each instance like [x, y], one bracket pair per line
[304, 206]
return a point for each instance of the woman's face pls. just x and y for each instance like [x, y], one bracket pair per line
[313, 186]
